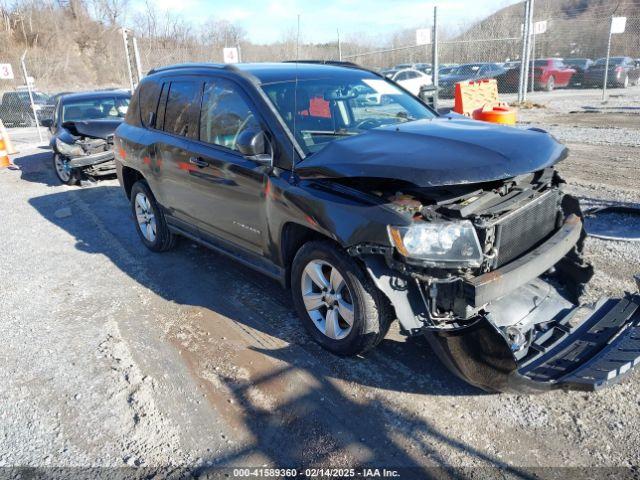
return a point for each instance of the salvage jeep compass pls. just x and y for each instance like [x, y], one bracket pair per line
[372, 207]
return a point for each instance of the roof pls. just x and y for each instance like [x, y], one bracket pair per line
[276, 72]
[95, 95]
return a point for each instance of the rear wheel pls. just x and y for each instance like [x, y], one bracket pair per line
[337, 302]
[551, 84]
[150, 222]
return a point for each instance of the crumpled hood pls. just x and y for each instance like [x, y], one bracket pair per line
[101, 128]
[443, 151]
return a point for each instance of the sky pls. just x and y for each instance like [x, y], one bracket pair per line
[266, 21]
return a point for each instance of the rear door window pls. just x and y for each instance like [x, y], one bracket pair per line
[179, 113]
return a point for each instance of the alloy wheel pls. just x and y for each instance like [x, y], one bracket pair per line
[62, 168]
[145, 217]
[327, 299]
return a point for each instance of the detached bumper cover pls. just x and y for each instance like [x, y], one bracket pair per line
[586, 350]
[89, 160]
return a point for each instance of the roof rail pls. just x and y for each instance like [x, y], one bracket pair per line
[328, 62]
[179, 66]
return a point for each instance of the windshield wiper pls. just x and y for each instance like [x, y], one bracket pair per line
[333, 133]
[400, 115]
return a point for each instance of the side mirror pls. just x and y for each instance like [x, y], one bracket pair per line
[252, 143]
[46, 122]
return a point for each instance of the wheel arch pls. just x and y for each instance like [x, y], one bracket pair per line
[292, 237]
[129, 177]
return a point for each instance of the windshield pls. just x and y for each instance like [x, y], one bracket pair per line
[326, 110]
[93, 109]
[37, 97]
[612, 61]
[466, 70]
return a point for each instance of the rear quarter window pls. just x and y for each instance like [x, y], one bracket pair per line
[133, 113]
[149, 94]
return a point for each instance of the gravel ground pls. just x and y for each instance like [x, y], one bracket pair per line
[113, 356]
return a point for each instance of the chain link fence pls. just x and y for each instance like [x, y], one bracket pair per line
[577, 40]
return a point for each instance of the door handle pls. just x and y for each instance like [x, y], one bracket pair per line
[198, 162]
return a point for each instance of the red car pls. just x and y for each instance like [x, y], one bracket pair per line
[548, 73]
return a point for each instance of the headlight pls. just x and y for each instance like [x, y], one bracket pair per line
[439, 244]
[69, 150]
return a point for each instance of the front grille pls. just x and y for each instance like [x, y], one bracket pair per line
[525, 228]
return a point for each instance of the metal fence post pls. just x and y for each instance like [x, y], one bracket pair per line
[606, 65]
[523, 56]
[28, 84]
[435, 62]
[529, 25]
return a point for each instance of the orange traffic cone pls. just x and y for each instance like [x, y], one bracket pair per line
[7, 141]
[4, 158]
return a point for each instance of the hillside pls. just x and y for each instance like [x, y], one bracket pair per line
[578, 28]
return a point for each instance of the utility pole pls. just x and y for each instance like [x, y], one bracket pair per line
[339, 45]
[128, 58]
[434, 54]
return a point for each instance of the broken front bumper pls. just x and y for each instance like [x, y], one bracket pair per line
[585, 350]
[91, 160]
[573, 347]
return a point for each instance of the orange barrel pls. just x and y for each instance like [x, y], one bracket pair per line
[499, 113]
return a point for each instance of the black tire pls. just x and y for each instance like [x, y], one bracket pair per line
[551, 83]
[164, 239]
[372, 310]
[70, 177]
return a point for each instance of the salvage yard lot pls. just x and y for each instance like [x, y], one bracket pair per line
[113, 355]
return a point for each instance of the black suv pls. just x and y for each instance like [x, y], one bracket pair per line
[372, 211]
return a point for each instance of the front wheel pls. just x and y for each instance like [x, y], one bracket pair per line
[337, 302]
[150, 222]
[65, 173]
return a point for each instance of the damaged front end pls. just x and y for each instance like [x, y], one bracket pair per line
[88, 147]
[503, 310]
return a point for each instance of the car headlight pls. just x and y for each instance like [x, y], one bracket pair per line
[68, 150]
[439, 244]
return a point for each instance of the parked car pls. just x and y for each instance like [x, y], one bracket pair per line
[82, 129]
[446, 70]
[469, 71]
[412, 80]
[424, 68]
[551, 73]
[580, 65]
[458, 229]
[547, 74]
[389, 72]
[623, 71]
[16, 110]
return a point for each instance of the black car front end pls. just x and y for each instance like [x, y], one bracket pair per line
[511, 320]
[87, 146]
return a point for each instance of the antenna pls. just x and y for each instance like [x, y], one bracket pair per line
[295, 99]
